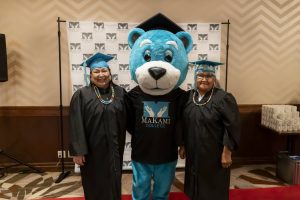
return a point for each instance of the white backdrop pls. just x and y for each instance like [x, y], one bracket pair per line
[88, 37]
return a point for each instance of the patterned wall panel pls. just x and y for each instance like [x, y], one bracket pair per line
[264, 50]
[263, 58]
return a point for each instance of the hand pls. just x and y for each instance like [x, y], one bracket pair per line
[162, 111]
[226, 157]
[181, 152]
[79, 160]
[150, 111]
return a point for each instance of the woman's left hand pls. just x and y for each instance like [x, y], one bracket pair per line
[181, 152]
[226, 157]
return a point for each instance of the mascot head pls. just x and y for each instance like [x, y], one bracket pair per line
[158, 60]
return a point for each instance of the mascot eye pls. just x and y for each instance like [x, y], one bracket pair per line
[147, 56]
[168, 56]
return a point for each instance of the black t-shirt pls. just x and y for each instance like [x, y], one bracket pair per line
[152, 124]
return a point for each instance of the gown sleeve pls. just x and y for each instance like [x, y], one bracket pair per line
[231, 121]
[179, 131]
[78, 144]
[130, 112]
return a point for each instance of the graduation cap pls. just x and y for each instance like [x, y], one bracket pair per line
[98, 60]
[205, 66]
[159, 21]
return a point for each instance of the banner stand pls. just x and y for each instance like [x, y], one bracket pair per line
[63, 173]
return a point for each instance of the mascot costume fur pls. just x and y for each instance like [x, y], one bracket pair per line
[158, 64]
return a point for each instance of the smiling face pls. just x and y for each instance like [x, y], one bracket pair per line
[158, 62]
[204, 81]
[101, 77]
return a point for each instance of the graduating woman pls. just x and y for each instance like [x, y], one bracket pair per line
[211, 124]
[98, 127]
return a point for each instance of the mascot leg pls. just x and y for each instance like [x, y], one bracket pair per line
[141, 181]
[163, 178]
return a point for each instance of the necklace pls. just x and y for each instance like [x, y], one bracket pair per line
[202, 104]
[101, 99]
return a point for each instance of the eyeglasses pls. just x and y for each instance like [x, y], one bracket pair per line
[204, 76]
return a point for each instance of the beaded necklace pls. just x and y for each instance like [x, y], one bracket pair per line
[101, 99]
[202, 104]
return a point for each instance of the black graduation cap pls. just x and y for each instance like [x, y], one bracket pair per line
[159, 21]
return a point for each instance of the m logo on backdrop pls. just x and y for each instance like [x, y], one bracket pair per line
[195, 47]
[99, 46]
[203, 37]
[98, 26]
[76, 87]
[115, 77]
[87, 36]
[214, 47]
[202, 56]
[86, 56]
[123, 47]
[127, 164]
[127, 145]
[111, 38]
[74, 25]
[123, 67]
[214, 27]
[122, 26]
[191, 27]
[76, 67]
[75, 47]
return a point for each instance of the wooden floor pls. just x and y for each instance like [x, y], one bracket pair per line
[34, 186]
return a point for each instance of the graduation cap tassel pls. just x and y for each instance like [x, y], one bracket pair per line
[63, 173]
[86, 76]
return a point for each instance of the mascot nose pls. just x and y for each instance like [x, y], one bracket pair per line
[157, 72]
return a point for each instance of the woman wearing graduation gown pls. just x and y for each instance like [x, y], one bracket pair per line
[211, 132]
[97, 119]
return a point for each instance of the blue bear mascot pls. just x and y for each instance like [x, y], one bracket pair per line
[158, 64]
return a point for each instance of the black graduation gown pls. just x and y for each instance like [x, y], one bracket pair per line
[207, 129]
[98, 132]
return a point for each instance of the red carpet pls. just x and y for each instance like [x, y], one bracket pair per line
[173, 196]
[275, 193]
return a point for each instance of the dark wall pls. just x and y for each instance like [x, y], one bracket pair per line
[32, 135]
[258, 144]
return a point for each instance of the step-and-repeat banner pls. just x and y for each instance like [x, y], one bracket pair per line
[88, 37]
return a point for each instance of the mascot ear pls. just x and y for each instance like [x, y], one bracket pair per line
[133, 35]
[186, 39]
